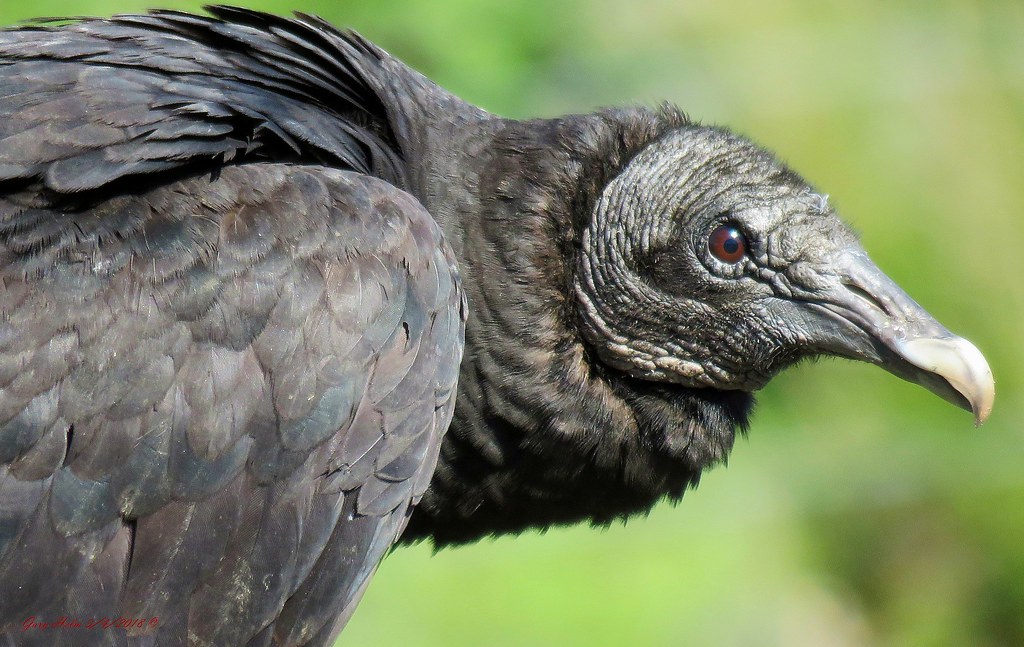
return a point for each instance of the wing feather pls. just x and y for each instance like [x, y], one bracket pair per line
[88, 103]
[219, 399]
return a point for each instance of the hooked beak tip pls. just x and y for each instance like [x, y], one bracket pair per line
[958, 362]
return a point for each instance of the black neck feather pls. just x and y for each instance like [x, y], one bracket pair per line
[544, 434]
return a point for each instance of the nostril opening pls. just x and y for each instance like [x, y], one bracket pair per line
[868, 297]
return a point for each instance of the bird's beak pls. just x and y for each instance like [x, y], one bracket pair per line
[881, 324]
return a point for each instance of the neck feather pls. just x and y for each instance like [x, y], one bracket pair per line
[543, 432]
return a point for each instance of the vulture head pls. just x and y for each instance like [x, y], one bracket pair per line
[708, 263]
[633, 279]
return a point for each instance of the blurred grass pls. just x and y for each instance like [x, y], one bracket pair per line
[861, 510]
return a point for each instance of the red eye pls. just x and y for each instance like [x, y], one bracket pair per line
[727, 244]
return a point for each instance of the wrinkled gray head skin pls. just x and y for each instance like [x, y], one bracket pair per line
[656, 303]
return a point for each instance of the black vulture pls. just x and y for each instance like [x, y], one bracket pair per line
[254, 269]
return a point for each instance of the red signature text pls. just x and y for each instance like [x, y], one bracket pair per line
[67, 622]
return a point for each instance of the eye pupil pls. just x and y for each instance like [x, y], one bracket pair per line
[727, 244]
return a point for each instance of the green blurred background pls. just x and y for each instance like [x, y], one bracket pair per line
[861, 510]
